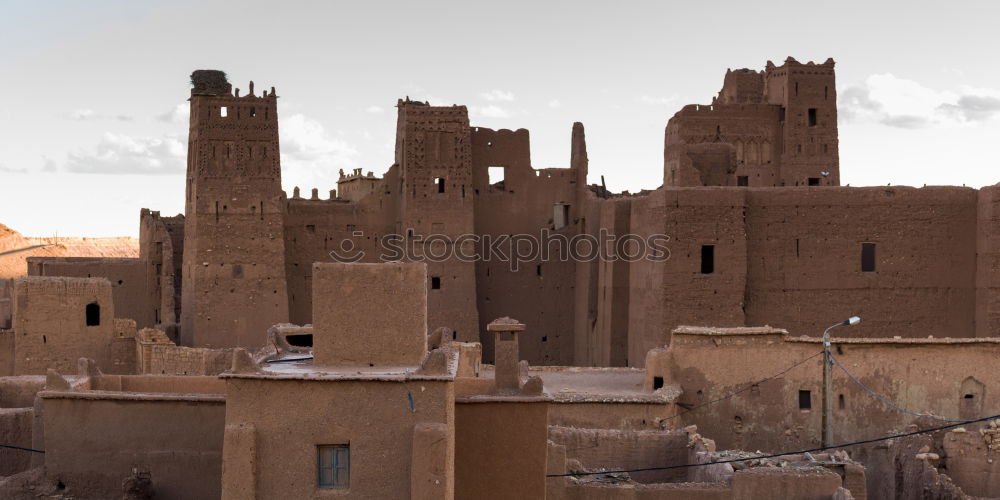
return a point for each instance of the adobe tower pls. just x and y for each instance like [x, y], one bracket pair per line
[233, 283]
[776, 127]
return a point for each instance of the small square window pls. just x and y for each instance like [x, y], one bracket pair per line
[742, 180]
[657, 383]
[435, 283]
[805, 400]
[814, 181]
[334, 466]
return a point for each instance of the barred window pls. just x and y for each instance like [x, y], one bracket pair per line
[334, 466]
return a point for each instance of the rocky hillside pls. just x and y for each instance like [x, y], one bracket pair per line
[15, 249]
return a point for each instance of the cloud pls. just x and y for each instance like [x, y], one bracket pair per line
[497, 95]
[554, 103]
[489, 111]
[898, 102]
[123, 154]
[89, 114]
[10, 170]
[375, 110]
[658, 101]
[180, 114]
[973, 107]
[305, 142]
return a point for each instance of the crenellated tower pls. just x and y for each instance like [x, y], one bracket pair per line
[807, 94]
[234, 285]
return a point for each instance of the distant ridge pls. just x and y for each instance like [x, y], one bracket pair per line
[15, 249]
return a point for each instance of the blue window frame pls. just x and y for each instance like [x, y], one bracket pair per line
[334, 465]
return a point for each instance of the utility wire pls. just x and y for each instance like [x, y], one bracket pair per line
[747, 388]
[20, 448]
[775, 455]
[886, 401]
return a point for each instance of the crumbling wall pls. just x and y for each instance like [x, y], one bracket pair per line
[51, 325]
[971, 458]
[784, 413]
[15, 430]
[93, 441]
[605, 449]
[526, 203]
[126, 276]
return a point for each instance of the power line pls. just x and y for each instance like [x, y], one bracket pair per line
[747, 388]
[21, 448]
[886, 401]
[775, 455]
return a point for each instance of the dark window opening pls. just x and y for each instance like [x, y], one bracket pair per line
[840, 402]
[237, 271]
[300, 340]
[454, 335]
[969, 396]
[814, 181]
[253, 112]
[545, 338]
[93, 313]
[805, 400]
[435, 283]
[796, 88]
[812, 117]
[440, 184]
[657, 383]
[310, 228]
[781, 114]
[707, 259]
[742, 180]
[538, 269]
[826, 92]
[334, 466]
[867, 257]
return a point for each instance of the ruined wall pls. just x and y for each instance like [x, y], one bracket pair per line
[161, 249]
[276, 450]
[129, 286]
[611, 334]
[598, 449]
[944, 377]
[792, 257]
[781, 125]
[540, 292]
[233, 285]
[500, 449]
[51, 324]
[677, 291]
[804, 253]
[15, 430]
[92, 442]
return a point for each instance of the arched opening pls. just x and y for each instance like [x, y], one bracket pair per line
[93, 313]
[970, 402]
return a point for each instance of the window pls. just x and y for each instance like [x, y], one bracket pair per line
[439, 181]
[657, 383]
[496, 174]
[300, 339]
[223, 111]
[742, 180]
[812, 117]
[560, 216]
[334, 466]
[93, 313]
[311, 228]
[814, 181]
[781, 114]
[805, 400]
[435, 283]
[840, 402]
[867, 257]
[707, 259]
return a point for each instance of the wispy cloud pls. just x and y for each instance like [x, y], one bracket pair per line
[898, 102]
[123, 154]
[89, 114]
[305, 142]
[10, 170]
[180, 114]
[375, 110]
[489, 111]
[497, 95]
[554, 103]
[658, 101]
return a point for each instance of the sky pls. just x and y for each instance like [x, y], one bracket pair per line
[94, 125]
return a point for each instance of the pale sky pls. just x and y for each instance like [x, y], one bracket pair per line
[94, 124]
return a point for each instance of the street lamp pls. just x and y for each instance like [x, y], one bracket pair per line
[827, 376]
